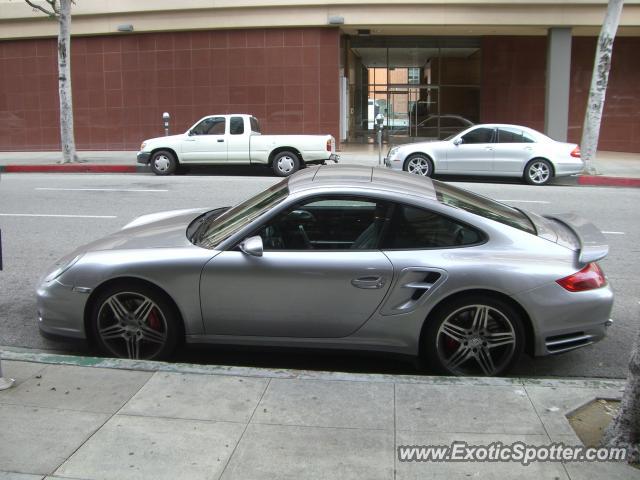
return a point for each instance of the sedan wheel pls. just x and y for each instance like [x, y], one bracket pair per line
[419, 165]
[134, 323]
[476, 337]
[538, 172]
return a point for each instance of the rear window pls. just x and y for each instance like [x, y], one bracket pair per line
[483, 206]
[255, 126]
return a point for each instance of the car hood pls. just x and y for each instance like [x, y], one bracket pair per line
[165, 139]
[157, 230]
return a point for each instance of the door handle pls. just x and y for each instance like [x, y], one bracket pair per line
[189, 139]
[488, 148]
[220, 140]
[368, 282]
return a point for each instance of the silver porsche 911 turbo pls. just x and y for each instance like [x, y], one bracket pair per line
[340, 257]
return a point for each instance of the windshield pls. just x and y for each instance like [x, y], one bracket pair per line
[212, 233]
[483, 206]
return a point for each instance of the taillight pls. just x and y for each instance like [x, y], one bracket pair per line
[575, 152]
[588, 278]
[329, 143]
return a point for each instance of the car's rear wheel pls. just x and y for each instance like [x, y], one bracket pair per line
[419, 164]
[285, 164]
[132, 320]
[474, 335]
[538, 172]
[163, 162]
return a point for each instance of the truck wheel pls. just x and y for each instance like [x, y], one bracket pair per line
[163, 162]
[285, 164]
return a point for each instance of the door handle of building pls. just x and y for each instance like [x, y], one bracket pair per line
[368, 282]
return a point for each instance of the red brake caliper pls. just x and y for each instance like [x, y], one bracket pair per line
[154, 321]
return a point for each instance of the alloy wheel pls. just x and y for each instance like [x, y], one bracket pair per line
[539, 172]
[131, 325]
[419, 166]
[476, 339]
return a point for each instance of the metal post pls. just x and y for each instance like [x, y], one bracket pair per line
[5, 382]
[379, 126]
[165, 119]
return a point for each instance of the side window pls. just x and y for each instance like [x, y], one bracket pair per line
[329, 223]
[210, 126]
[255, 125]
[527, 138]
[509, 135]
[416, 228]
[236, 126]
[479, 135]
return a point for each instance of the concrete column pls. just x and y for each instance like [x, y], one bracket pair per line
[556, 111]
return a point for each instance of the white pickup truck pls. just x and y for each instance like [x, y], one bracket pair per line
[235, 139]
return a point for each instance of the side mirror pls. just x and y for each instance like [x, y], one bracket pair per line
[457, 141]
[190, 132]
[252, 246]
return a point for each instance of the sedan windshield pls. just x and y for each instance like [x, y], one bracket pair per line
[211, 234]
[483, 206]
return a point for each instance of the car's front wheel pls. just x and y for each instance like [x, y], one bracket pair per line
[538, 172]
[132, 320]
[285, 164]
[474, 335]
[419, 164]
[163, 162]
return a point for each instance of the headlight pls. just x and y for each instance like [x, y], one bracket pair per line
[61, 268]
[393, 151]
[144, 144]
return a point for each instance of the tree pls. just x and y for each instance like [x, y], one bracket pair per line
[61, 10]
[624, 429]
[598, 89]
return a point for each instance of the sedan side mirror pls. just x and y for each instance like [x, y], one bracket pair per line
[252, 246]
[457, 141]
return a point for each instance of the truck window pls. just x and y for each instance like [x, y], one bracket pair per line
[255, 126]
[210, 126]
[236, 126]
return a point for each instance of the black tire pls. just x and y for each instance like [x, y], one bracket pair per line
[123, 338]
[163, 162]
[418, 164]
[538, 172]
[504, 328]
[285, 163]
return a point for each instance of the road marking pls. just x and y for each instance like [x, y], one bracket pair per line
[100, 189]
[524, 201]
[614, 233]
[59, 216]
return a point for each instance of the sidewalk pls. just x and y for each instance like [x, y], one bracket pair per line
[616, 169]
[89, 418]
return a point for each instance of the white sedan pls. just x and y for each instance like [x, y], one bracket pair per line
[490, 150]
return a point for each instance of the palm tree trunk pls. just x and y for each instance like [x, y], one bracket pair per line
[599, 80]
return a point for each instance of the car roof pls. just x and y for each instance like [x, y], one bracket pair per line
[355, 176]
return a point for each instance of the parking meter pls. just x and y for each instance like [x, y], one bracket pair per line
[379, 127]
[165, 119]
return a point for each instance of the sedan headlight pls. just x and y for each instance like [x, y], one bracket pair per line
[61, 268]
[393, 151]
[142, 145]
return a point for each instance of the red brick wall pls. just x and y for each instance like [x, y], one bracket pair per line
[513, 87]
[620, 129]
[122, 84]
[513, 80]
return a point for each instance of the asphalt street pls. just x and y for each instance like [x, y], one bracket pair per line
[44, 216]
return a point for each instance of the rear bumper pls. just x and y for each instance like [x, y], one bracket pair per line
[144, 157]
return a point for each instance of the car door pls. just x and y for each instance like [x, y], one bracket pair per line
[321, 274]
[238, 140]
[472, 152]
[512, 151]
[206, 142]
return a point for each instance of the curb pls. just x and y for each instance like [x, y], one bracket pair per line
[73, 168]
[608, 181]
[27, 355]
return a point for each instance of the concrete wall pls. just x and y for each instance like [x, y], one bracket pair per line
[288, 78]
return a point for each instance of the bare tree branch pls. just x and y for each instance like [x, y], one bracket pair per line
[52, 13]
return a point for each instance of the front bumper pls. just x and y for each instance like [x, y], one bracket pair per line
[61, 310]
[144, 157]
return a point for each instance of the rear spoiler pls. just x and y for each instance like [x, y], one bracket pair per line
[593, 244]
